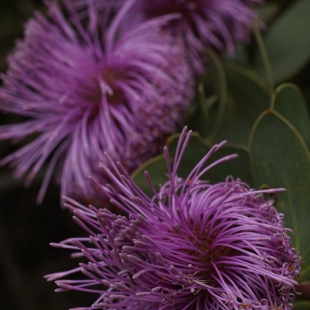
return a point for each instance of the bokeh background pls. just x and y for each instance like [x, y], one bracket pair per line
[26, 229]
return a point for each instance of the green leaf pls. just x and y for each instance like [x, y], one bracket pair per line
[267, 11]
[301, 305]
[248, 98]
[198, 148]
[290, 103]
[200, 119]
[240, 55]
[280, 158]
[215, 81]
[288, 42]
[195, 151]
[265, 72]
[157, 169]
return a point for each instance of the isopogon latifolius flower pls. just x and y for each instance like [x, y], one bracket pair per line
[194, 245]
[87, 87]
[202, 23]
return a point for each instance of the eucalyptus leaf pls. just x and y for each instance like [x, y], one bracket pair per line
[198, 148]
[240, 55]
[157, 169]
[301, 305]
[265, 72]
[248, 97]
[267, 11]
[215, 81]
[195, 151]
[199, 120]
[280, 158]
[290, 103]
[288, 42]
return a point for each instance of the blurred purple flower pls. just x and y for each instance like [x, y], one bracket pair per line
[87, 88]
[193, 245]
[202, 23]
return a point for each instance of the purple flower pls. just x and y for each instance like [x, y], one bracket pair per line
[201, 23]
[87, 87]
[194, 245]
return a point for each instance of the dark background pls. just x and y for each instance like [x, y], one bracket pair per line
[26, 229]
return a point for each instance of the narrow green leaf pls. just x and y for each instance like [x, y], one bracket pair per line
[199, 120]
[279, 158]
[266, 71]
[247, 99]
[240, 55]
[217, 82]
[198, 148]
[290, 103]
[195, 151]
[288, 42]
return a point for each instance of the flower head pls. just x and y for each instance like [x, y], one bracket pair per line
[194, 245]
[201, 23]
[86, 87]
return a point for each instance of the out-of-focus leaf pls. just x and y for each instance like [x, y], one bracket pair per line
[301, 305]
[267, 11]
[288, 42]
[195, 151]
[307, 94]
[266, 71]
[199, 119]
[216, 81]
[247, 99]
[240, 55]
[290, 103]
[157, 169]
[198, 148]
[280, 158]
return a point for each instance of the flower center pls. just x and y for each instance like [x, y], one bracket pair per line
[113, 92]
[199, 257]
[111, 77]
[204, 255]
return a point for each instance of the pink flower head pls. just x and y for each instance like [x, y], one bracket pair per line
[217, 24]
[86, 88]
[193, 245]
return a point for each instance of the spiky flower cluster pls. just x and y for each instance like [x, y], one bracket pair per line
[87, 88]
[194, 245]
[200, 23]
